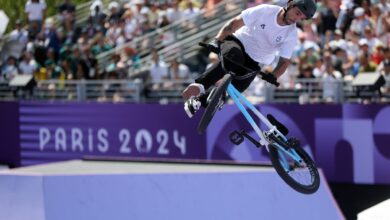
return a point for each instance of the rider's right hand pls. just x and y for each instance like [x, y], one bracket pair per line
[269, 77]
[214, 45]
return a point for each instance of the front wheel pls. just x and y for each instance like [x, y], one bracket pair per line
[302, 176]
[214, 99]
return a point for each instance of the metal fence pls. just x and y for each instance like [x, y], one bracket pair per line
[168, 91]
[76, 90]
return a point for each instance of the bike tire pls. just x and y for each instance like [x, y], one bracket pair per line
[309, 188]
[212, 106]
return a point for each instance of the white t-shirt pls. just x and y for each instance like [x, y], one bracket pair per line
[35, 10]
[28, 67]
[158, 72]
[263, 37]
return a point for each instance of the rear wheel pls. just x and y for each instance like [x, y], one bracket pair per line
[302, 176]
[213, 105]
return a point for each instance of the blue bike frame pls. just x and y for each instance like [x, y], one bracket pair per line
[240, 100]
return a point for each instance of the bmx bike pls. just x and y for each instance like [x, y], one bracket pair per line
[289, 159]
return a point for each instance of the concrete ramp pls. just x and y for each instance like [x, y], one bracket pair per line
[83, 190]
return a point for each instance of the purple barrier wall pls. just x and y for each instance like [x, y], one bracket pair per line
[9, 134]
[350, 141]
[59, 131]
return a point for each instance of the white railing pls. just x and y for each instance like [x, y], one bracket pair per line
[77, 90]
[304, 91]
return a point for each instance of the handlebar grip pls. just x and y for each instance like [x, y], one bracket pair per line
[265, 77]
[202, 44]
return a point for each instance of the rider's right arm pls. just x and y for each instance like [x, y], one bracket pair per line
[230, 27]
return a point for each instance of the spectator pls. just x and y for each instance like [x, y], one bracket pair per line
[66, 14]
[19, 34]
[121, 38]
[385, 70]
[345, 17]
[360, 21]
[384, 6]
[164, 21]
[115, 12]
[9, 70]
[52, 38]
[97, 16]
[338, 41]
[302, 46]
[377, 54]
[328, 18]
[307, 72]
[129, 58]
[173, 13]
[382, 30]
[131, 25]
[364, 47]
[153, 15]
[100, 46]
[365, 64]
[139, 10]
[310, 56]
[178, 71]
[310, 31]
[28, 65]
[341, 62]
[384, 66]
[353, 47]
[190, 15]
[329, 85]
[114, 68]
[36, 12]
[371, 39]
[53, 71]
[158, 71]
[319, 68]
[51, 56]
[78, 65]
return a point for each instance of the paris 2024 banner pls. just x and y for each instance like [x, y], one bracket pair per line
[350, 142]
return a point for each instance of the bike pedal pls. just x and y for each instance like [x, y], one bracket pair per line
[236, 137]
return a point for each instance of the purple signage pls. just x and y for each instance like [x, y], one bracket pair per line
[349, 142]
[60, 131]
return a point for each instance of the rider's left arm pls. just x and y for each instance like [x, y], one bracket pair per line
[281, 67]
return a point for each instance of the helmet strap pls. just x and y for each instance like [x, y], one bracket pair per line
[285, 11]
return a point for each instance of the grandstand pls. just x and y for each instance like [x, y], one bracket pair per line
[82, 64]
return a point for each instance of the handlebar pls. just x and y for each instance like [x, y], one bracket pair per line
[264, 76]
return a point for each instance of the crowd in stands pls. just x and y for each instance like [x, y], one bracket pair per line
[69, 51]
[345, 38]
